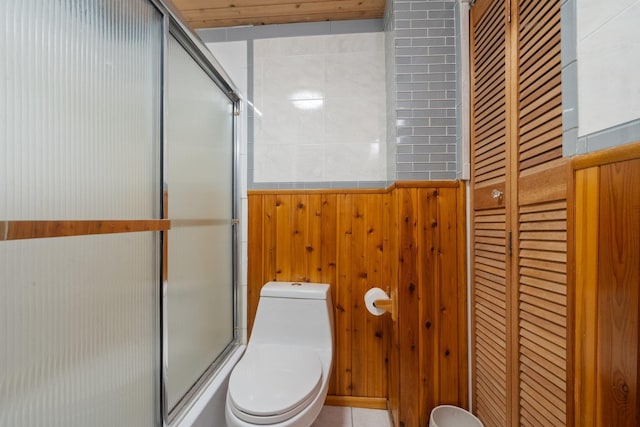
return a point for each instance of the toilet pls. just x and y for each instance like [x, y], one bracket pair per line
[283, 377]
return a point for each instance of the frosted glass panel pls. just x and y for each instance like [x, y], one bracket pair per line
[199, 181]
[79, 336]
[79, 109]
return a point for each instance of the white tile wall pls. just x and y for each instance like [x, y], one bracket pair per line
[320, 109]
[608, 59]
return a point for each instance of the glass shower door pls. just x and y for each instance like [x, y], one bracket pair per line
[80, 105]
[199, 182]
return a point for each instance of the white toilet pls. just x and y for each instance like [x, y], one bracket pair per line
[283, 377]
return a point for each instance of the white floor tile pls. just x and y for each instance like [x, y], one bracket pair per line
[334, 416]
[370, 417]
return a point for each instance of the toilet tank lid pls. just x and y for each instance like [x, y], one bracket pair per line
[299, 290]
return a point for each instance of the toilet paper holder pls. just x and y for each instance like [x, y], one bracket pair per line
[388, 304]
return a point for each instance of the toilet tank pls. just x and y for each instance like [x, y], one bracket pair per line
[294, 313]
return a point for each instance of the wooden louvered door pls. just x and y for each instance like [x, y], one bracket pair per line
[489, 217]
[543, 175]
[519, 239]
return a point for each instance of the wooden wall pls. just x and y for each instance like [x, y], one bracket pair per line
[607, 288]
[408, 239]
[431, 331]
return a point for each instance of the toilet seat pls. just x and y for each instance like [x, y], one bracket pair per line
[273, 383]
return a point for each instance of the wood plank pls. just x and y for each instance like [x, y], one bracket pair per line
[408, 304]
[431, 326]
[228, 4]
[333, 191]
[463, 330]
[533, 277]
[618, 294]
[391, 256]
[587, 188]
[356, 402]
[283, 15]
[313, 240]
[256, 13]
[542, 245]
[359, 285]
[621, 153]
[483, 198]
[270, 223]
[376, 384]
[555, 235]
[284, 238]
[450, 352]
[19, 230]
[426, 184]
[299, 231]
[328, 250]
[343, 360]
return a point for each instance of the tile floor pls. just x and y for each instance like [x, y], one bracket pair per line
[340, 416]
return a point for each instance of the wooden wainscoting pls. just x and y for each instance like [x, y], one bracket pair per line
[431, 330]
[334, 238]
[409, 240]
[606, 343]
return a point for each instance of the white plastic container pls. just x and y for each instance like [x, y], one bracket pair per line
[452, 416]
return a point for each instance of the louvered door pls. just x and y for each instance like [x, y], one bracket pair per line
[489, 165]
[519, 183]
[542, 218]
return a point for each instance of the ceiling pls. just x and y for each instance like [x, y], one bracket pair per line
[231, 13]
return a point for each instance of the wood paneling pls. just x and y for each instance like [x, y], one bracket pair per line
[586, 274]
[607, 283]
[229, 13]
[336, 239]
[392, 223]
[407, 240]
[618, 291]
[409, 324]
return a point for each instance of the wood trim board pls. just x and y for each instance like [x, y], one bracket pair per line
[18, 230]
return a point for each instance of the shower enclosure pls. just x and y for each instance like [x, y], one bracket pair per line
[117, 214]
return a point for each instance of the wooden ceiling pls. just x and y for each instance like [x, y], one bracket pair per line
[231, 13]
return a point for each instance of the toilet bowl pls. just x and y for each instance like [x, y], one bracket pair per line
[283, 377]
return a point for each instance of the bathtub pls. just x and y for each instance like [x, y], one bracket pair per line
[207, 410]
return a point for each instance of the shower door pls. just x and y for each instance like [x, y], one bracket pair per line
[199, 201]
[80, 227]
